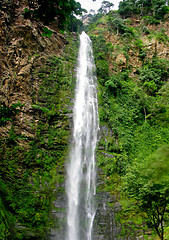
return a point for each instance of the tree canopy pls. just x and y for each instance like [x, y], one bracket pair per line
[156, 8]
[61, 11]
[148, 183]
[106, 7]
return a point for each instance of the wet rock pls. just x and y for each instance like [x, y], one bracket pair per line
[105, 226]
[108, 155]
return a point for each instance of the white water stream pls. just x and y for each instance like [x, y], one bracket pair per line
[81, 172]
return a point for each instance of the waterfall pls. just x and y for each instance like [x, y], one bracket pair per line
[81, 173]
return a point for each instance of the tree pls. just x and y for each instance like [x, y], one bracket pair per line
[47, 11]
[125, 8]
[148, 183]
[75, 24]
[105, 7]
[156, 8]
[159, 8]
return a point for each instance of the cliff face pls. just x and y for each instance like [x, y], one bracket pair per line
[36, 85]
[132, 63]
[153, 40]
[23, 49]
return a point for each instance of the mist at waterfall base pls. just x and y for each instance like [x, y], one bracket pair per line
[81, 173]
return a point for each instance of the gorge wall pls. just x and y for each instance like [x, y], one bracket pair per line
[37, 82]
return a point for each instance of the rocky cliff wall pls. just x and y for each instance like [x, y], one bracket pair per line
[23, 49]
[37, 75]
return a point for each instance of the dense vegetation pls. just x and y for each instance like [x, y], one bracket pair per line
[133, 95]
[155, 8]
[63, 12]
[32, 169]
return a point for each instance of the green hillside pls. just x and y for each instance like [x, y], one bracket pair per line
[130, 49]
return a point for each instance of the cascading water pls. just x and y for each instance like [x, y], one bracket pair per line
[81, 172]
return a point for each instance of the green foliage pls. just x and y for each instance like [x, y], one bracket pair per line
[25, 197]
[153, 10]
[125, 108]
[101, 52]
[162, 36]
[93, 21]
[150, 20]
[105, 7]
[126, 8]
[142, 52]
[47, 32]
[114, 84]
[75, 25]
[133, 107]
[27, 13]
[134, 112]
[118, 24]
[160, 114]
[30, 175]
[147, 182]
[8, 113]
[47, 11]
[102, 70]
[153, 75]
[139, 43]
[145, 30]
